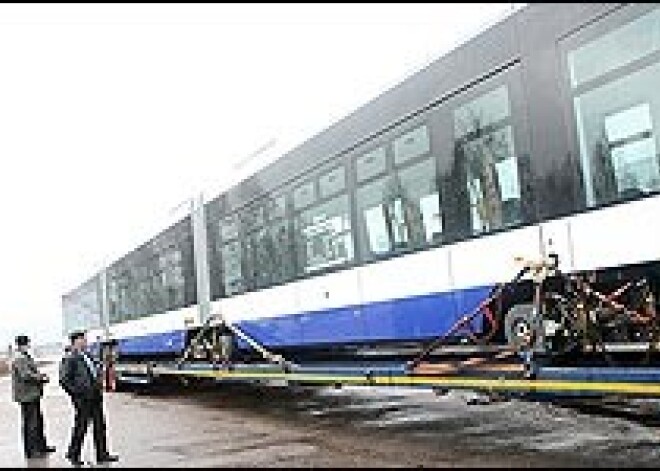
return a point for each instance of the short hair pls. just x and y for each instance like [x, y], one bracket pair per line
[22, 340]
[76, 335]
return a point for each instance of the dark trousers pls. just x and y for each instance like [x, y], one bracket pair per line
[88, 409]
[34, 439]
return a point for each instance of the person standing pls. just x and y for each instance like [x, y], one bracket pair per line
[81, 378]
[27, 390]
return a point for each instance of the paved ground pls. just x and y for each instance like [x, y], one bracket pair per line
[352, 427]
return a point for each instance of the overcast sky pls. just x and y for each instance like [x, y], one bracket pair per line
[112, 114]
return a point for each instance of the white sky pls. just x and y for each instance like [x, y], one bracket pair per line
[112, 114]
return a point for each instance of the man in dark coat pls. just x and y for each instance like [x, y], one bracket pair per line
[81, 378]
[27, 390]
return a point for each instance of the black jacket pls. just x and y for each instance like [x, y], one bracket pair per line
[76, 378]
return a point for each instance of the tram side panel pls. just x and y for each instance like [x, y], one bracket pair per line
[413, 297]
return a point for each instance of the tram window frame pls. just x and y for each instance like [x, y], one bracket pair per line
[82, 308]
[326, 186]
[314, 177]
[390, 175]
[155, 277]
[462, 219]
[400, 140]
[274, 211]
[598, 188]
[307, 185]
[274, 215]
[372, 152]
[235, 238]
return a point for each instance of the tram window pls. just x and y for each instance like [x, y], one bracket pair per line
[323, 235]
[618, 142]
[486, 110]
[268, 255]
[266, 248]
[281, 262]
[370, 164]
[375, 231]
[276, 208]
[400, 211]
[621, 46]
[229, 227]
[412, 144]
[82, 308]
[143, 298]
[632, 147]
[263, 258]
[124, 300]
[155, 291]
[420, 202]
[178, 280]
[164, 283]
[484, 148]
[232, 269]
[112, 300]
[232, 255]
[250, 260]
[332, 182]
[252, 218]
[304, 195]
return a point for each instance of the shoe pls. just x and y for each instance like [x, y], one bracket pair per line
[74, 461]
[107, 458]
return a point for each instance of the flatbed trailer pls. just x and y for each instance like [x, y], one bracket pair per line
[505, 379]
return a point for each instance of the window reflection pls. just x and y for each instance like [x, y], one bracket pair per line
[280, 252]
[261, 257]
[332, 182]
[304, 195]
[267, 255]
[485, 149]
[231, 267]
[370, 164]
[413, 144]
[150, 280]
[323, 235]
[400, 211]
[82, 308]
[632, 148]
[618, 144]
[619, 47]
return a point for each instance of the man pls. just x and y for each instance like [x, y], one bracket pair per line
[28, 388]
[82, 379]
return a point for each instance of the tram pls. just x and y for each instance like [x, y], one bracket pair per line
[504, 199]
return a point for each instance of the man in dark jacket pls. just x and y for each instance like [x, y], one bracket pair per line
[27, 389]
[81, 378]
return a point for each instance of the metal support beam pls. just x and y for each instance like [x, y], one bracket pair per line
[200, 248]
[105, 311]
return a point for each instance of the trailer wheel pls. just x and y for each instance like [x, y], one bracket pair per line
[519, 324]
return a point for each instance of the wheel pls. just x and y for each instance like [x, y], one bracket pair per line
[519, 324]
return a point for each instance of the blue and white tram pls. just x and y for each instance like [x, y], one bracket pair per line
[389, 226]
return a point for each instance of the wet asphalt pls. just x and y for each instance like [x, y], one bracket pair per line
[259, 426]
